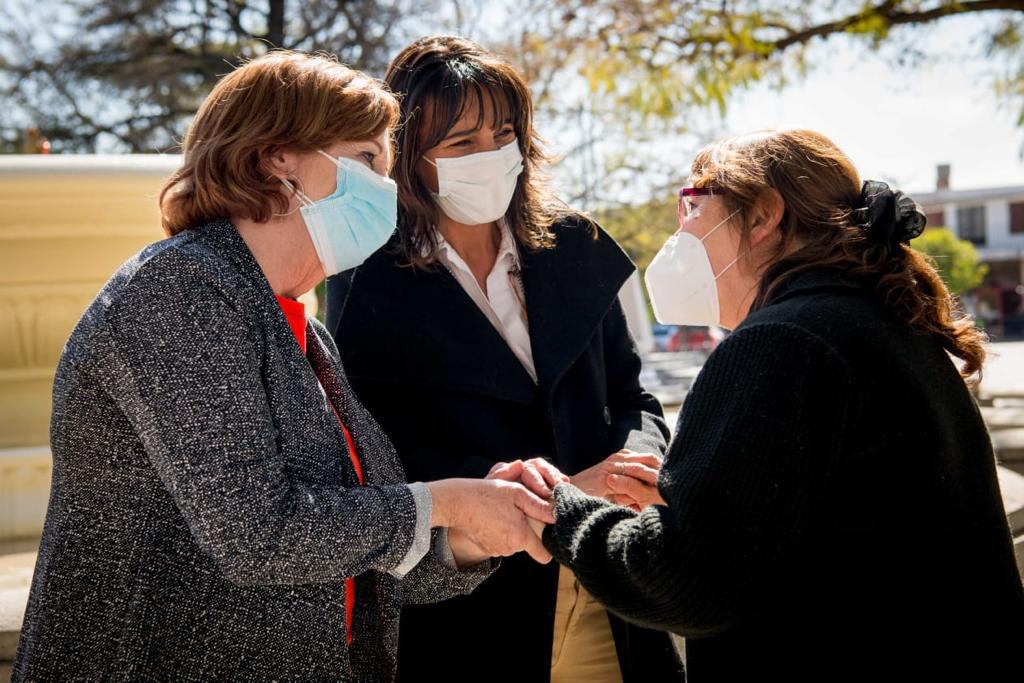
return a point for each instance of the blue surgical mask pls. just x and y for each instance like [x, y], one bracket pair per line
[355, 220]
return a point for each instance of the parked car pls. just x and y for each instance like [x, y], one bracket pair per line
[673, 338]
[663, 334]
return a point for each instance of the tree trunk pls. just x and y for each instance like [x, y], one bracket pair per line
[275, 23]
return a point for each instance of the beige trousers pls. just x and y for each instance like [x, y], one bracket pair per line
[583, 650]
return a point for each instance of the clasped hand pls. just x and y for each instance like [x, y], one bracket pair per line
[626, 478]
[506, 512]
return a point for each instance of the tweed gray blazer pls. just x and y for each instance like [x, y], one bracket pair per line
[204, 512]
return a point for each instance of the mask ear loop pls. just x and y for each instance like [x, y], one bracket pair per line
[731, 264]
[299, 194]
[438, 193]
[333, 160]
[738, 256]
[724, 221]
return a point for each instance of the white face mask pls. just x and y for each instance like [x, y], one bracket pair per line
[682, 286]
[477, 188]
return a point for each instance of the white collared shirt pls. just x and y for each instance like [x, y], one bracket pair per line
[503, 304]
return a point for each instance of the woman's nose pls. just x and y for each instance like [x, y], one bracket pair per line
[487, 143]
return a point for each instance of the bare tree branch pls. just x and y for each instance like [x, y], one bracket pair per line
[889, 13]
[127, 75]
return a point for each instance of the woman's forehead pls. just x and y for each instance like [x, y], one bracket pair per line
[462, 109]
[377, 144]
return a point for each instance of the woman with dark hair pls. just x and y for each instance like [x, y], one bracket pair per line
[832, 508]
[488, 331]
[223, 507]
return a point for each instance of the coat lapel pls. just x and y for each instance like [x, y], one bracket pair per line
[326, 369]
[366, 434]
[569, 289]
[406, 326]
[492, 349]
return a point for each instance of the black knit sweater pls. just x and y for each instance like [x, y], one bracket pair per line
[833, 508]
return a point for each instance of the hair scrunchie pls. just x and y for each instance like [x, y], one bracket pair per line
[889, 217]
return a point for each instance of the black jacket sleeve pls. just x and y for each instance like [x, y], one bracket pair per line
[638, 422]
[758, 436]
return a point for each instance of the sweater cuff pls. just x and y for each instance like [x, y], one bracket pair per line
[421, 537]
[572, 508]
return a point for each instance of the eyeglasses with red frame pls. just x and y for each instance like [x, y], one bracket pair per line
[685, 193]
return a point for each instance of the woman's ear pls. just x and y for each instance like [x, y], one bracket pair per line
[766, 216]
[279, 164]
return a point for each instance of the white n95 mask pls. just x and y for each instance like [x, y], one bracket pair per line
[681, 283]
[478, 188]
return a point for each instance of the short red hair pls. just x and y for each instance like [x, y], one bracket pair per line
[282, 100]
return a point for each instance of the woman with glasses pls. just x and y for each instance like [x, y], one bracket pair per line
[831, 506]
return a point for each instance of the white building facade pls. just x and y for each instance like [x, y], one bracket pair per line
[993, 220]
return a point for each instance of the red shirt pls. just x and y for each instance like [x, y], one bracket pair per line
[295, 313]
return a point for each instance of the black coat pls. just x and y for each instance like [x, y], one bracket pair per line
[455, 400]
[833, 509]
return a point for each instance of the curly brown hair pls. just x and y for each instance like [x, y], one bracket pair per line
[820, 228]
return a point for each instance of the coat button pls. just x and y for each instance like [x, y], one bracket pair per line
[607, 416]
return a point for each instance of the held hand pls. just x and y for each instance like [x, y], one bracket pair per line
[536, 474]
[466, 552]
[513, 471]
[635, 490]
[492, 514]
[625, 478]
[538, 527]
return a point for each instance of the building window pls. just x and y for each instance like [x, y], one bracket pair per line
[1017, 217]
[971, 223]
[936, 218]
